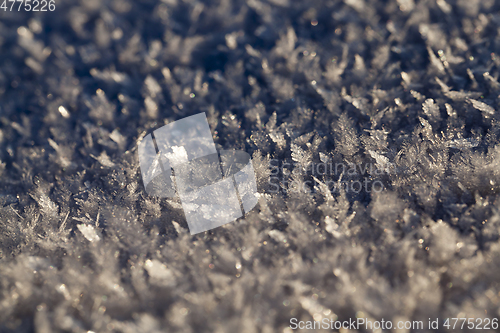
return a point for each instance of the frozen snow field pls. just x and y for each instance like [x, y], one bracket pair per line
[374, 132]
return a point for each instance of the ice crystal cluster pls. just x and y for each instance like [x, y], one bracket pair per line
[410, 87]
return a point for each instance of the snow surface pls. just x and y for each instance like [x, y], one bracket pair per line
[409, 87]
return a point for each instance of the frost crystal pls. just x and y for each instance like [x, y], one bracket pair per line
[482, 106]
[89, 232]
